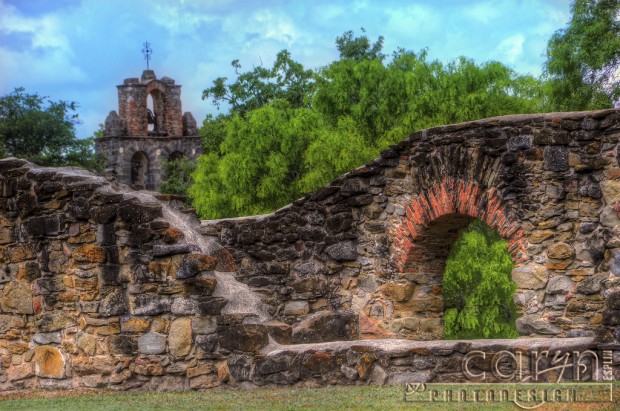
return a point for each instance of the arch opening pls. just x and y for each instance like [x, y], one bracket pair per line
[156, 121]
[421, 245]
[431, 293]
[150, 109]
[175, 156]
[139, 170]
[420, 309]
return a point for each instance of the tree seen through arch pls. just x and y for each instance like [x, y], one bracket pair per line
[477, 286]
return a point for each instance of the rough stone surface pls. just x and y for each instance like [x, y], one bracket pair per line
[90, 269]
[344, 251]
[16, 298]
[560, 285]
[49, 362]
[532, 325]
[180, 337]
[296, 308]
[47, 338]
[532, 276]
[327, 326]
[152, 343]
[560, 251]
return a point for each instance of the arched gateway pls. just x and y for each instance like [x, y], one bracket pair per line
[375, 240]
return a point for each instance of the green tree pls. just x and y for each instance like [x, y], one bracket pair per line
[389, 102]
[478, 286]
[583, 59]
[359, 48]
[259, 163]
[99, 132]
[178, 176]
[43, 131]
[213, 132]
[286, 80]
[282, 139]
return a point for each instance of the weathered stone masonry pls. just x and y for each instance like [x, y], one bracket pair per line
[101, 286]
[377, 238]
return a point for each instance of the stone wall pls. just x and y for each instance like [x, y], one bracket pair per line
[103, 286]
[375, 240]
[120, 151]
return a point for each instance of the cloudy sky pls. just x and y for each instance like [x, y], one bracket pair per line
[79, 50]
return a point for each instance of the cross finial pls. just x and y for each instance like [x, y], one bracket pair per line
[147, 51]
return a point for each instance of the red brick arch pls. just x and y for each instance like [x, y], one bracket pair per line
[454, 197]
[155, 85]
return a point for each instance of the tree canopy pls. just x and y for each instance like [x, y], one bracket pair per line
[291, 130]
[286, 80]
[583, 59]
[43, 131]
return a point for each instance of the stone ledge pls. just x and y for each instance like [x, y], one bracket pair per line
[391, 346]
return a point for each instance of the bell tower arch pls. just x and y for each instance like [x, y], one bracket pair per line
[150, 120]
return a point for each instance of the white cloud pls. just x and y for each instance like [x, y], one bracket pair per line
[46, 31]
[482, 12]
[511, 48]
[176, 18]
[275, 26]
[416, 19]
[49, 57]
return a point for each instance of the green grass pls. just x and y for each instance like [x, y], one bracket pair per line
[331, 398]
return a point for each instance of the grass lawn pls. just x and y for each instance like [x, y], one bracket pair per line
[332, 398]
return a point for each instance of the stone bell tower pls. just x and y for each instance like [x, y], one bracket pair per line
[150, 126]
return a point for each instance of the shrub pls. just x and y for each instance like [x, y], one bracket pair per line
[478, 288]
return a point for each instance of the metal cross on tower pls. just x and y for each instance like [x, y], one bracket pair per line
[147, 51]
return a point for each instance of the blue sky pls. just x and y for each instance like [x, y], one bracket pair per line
[79, 50]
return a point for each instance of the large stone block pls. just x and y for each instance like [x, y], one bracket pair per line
[87, 343]
[135, 212]
[10, 322]
[53, 321]
[611, 191]
[152, 304]
[47, 338]
[16, 298]
[555, 158]
[152, 343]
[560, 285]
[614, 263]
[204, 325]
[327, 326]
[399, 292]
[249, 338]
[44, 226]
[560, 251]
[296, 308]
[49, 362]
[180, 337]
[194, 264]
[90, 253]
[344, 251]
[113, 303]
[531, 276]
[21, 252]
[535, 325]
